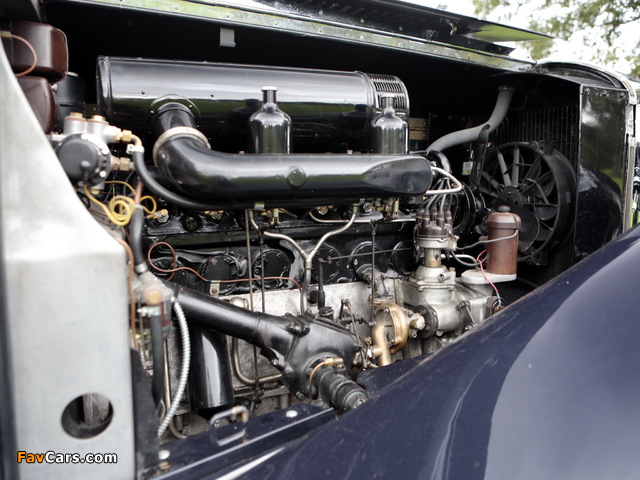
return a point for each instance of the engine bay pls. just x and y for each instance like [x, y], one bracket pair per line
[310, 208]
[296, 227]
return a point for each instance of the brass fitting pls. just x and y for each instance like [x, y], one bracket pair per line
[124, 136]
[389, 314]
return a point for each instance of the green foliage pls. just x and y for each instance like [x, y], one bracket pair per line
[600, 20]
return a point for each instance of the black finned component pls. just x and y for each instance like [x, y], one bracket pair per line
[187, 162]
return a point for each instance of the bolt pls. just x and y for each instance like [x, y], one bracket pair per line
[163, 454]
[274, 362]
[293, 328]
[213, 261]
[367, 207]
[164, 216]
[299, 396]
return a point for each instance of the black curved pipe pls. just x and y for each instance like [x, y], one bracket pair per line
[292, 344]
[148, 178]
[179, 117]
[260, 329]
[154, 186]
[213, 176]
[135, 235]
[186, 161]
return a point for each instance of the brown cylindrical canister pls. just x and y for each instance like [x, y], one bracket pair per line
[502, 256]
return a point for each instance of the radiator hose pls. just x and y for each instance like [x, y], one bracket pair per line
[472, 134]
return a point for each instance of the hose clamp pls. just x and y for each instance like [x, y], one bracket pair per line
[177, 132]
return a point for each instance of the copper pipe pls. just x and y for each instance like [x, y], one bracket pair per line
[400, 324]
[235, 356]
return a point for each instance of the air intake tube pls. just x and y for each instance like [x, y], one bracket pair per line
[183, 156]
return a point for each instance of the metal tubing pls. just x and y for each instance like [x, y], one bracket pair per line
[308, 257]
[471, 134]
[235, 357]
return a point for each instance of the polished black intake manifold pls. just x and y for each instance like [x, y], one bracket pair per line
[183, 156]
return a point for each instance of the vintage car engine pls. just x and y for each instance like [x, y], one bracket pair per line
[256, 219]
[292, 230]
[286, 212]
